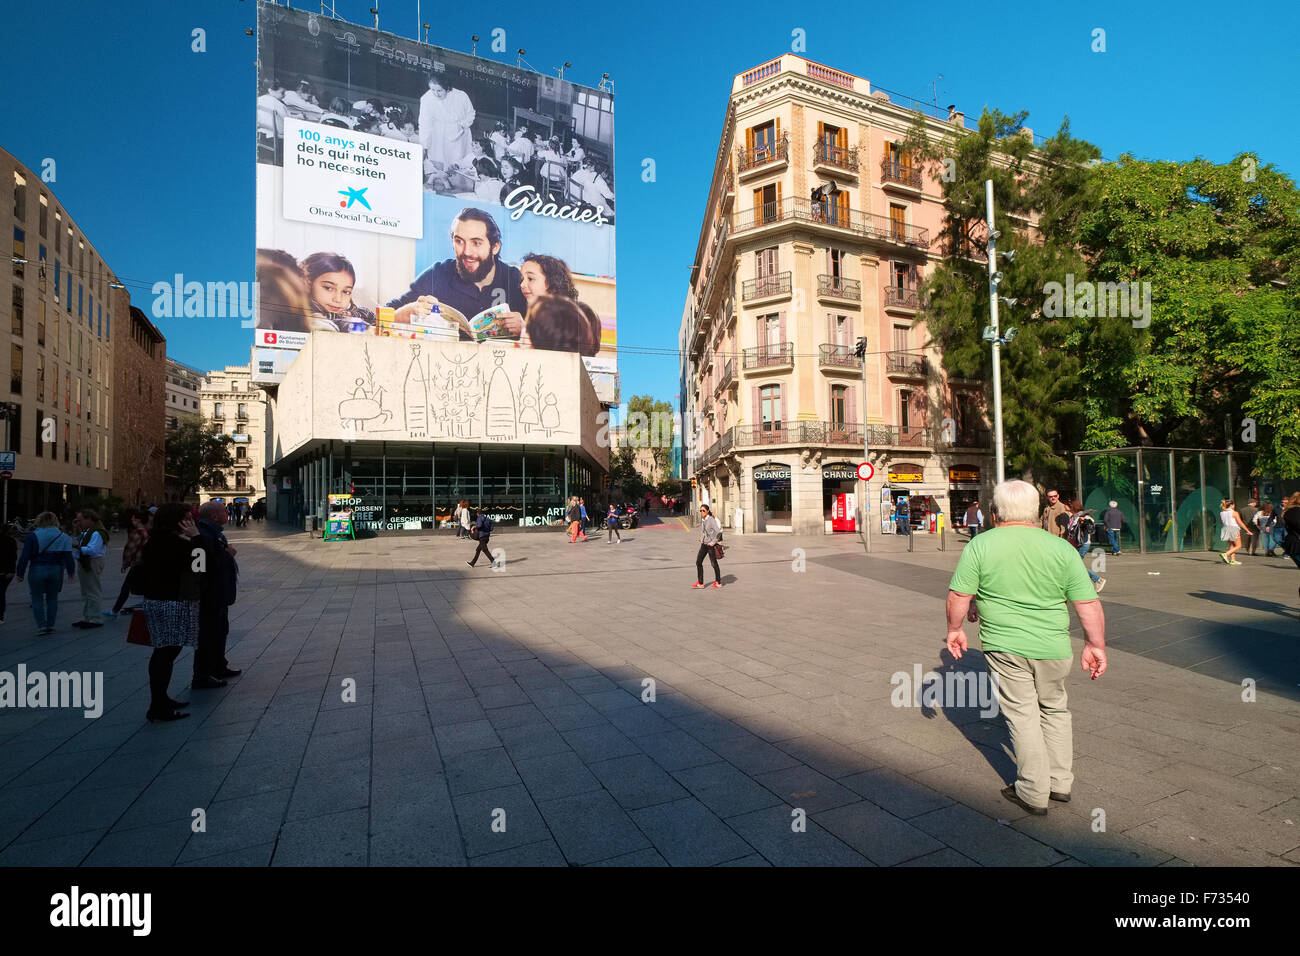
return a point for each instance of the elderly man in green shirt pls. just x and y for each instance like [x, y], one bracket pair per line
[1023, 578]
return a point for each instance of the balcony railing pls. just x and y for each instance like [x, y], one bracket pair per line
[901, 297]
[763, 153]
[904, 174]
[973, 438]
[814, 433]
[782, 353]
[907, 363]
[839, 287]
[841, 157]
[728, 374]
[776, 284]
[839, 356]
[870, 225]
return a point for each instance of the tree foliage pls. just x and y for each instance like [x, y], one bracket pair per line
[196, 456]
[1217, 245]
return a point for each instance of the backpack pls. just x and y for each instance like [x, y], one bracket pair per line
[484, 526]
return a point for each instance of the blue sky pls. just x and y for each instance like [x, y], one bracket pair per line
[154, 144]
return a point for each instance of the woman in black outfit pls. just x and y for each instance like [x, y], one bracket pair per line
[1291, 522]
[170, 587]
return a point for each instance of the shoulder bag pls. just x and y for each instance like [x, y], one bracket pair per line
[138, 632]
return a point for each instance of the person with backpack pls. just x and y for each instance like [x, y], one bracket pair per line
[710, 535]
[483, 528]
[611, 522]
[1078, 531]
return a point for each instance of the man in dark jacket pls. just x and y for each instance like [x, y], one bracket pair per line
[482, 531]
[218, 593]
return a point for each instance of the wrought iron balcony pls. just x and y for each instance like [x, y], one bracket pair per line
[839, 288]
[782, 353]
[973, 438]
[904, 174]
[776, 284]
[902, 297]
[728, 374]
[913, 364]
[869, 225]
[841, 157]
[838, 356]
[763, 153]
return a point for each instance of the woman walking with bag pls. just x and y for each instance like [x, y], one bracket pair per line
[49, 552]
[171, 601]
[611, 522]
[710, 535]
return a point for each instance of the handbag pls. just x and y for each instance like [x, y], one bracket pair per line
[138, 632]
[719, 551]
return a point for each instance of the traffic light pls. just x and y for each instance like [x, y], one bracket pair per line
[860, 350]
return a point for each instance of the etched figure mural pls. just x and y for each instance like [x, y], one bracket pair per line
[415, 397]
[366, 403]
[502, 416]
[460, 392]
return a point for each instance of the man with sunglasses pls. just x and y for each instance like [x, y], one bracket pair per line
[1056, 516]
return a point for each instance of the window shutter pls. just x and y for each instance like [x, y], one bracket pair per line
[843, 201]
[842, 138]
[830, 330]
[782, 339]
[749, 139]
[778, 134]
[821, 131]
[778, 201]
[851, 405]
[758, 407]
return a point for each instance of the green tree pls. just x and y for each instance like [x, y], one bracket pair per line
[656, 431]
[1219, 246]
[196, 456]
[1042, 402]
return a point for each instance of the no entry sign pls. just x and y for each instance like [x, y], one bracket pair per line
[865, 471]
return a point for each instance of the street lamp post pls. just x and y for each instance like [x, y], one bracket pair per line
[999, 472]
[861, 351]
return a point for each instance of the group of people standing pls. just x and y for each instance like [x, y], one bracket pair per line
[175, 557]
[1271, 525]
[1077, 525]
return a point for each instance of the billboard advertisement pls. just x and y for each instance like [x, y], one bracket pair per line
[411, 191]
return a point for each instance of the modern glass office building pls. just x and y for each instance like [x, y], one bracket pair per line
[1170, 496]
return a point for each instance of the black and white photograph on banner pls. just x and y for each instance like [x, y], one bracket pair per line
[485, 129]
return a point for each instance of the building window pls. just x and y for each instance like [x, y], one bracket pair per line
[41, 282]
[897, 221]
[243, 410]
[20, 252]
[67, 440]
[900, 338]
[767, 204]
[241, 479]
[17, 327]
[839, 405]
[16, 370]
[904, 408]
[241, 453]
[20, 197]
[218, 410]
[841, 331]
[45, 215]
[139, 384]
[40, 415]
[216, 429]
[770, 402]
[40, 375]
[835, 263]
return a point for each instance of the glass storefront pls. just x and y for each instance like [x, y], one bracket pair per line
[1169, 497]
[772, 497]
[411, 486]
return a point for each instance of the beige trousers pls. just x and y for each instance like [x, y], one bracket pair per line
[1032, 696]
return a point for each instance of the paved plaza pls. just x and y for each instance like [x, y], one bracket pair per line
[501, 718]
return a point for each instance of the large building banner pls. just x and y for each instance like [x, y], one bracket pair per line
[410, 191]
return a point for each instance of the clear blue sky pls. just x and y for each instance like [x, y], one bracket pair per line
[154, 144]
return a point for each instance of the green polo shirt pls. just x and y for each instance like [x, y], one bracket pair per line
[1022, 578]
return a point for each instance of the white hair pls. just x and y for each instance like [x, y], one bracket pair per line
[1114, 504]
[1015, 501]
